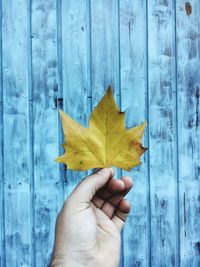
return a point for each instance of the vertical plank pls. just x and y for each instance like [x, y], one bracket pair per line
[133, 100]
[16, 135]
[45, 127]
[161, 73]
[76, 70]
[188, 84]
[30, 125]
[59, 97]
[104, 48]
[2, 225]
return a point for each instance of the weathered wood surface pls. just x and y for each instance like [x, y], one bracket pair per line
[188, 124]
[162, 133]
[64, 54]
[46, 180]
[133, 70]
[16, 198]
[75, 70]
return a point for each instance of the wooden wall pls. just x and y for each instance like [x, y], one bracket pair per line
[64, 54]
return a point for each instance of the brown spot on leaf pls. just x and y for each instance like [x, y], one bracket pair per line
[188, 8]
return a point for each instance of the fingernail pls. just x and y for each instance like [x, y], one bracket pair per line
[121, 182]
[103, 171]
[112, 171]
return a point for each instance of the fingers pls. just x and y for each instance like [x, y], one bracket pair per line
[121, 214]
[112, 187]
[88, 187]
[109, 205]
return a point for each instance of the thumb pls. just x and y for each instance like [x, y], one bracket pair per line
[88, 187]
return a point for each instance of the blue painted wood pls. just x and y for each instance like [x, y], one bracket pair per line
[76, 70]
[59, 96]
[2, 217]
[63, 54]
[162, 137]
[188, 124]
[47, 197]
[104, 48]
[16, 193]
[134, 102]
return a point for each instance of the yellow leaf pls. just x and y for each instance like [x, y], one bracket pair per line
[105, 143]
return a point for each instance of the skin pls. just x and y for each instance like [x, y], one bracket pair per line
[89, 224]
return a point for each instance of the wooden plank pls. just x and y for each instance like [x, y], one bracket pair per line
[188, 84]
[45, 127]
[133, 100]
[59, 97]
[104, 48]
[16, 133]
[161, 84]
[2, 221]
[76, 70]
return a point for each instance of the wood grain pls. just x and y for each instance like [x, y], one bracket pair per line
[162, 138]
[188, 78]
[133, 101]
[45, 128]
[76, 71]
[2, 217]
[104, 48]
[15, 135]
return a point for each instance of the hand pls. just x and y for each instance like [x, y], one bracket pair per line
[89, 224]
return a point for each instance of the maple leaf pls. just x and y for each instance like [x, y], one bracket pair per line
[105, 143]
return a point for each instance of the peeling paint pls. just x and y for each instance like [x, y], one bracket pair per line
[188, 8]
[198, 247]
[197, 106]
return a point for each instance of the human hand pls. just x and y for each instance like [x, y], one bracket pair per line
[89, 224]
